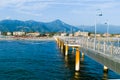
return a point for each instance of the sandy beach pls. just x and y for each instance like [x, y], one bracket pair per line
[28, 38]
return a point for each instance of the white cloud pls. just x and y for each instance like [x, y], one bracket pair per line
[29, 7]
[35, 7]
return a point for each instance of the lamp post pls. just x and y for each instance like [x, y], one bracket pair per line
[107, 22]
[98, 13]
[95, 32]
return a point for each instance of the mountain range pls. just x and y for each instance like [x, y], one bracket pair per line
[30, 25]
[53, 26]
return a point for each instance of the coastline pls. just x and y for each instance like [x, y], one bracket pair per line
[29, 38]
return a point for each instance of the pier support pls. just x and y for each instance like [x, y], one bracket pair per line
[59, 43]
[82, 56]
[73, 49]
[62, 44]
[77, 61]
[105, 69]
[66, 50]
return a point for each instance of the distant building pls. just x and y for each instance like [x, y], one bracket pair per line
[81, 33]
[77, 33]
[34, 34]
[47, 34]
[116, 35]
[106, 34]
[63, 34]
[18, 33]
[70, 34]
[9, 33]
[93, 35]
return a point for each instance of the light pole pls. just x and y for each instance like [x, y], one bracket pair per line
[95, 32]
[98, 13]
[107, 22]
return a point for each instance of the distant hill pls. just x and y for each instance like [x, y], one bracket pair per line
[102, 28]
[30, 25]
[54, 26]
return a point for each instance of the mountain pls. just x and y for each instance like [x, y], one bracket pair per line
[101, 28]
[30, 25]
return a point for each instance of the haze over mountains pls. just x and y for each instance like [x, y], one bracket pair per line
[102, 28]
[54, 26]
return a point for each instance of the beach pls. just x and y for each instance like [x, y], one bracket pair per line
[26, 38]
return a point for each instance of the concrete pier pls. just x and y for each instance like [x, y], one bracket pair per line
[104, 53]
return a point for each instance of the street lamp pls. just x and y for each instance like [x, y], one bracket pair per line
[98, 13]
[107, 22]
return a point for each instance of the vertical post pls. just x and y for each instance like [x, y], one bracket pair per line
[87, 42]
[82, 58]
[118, 42]
[57, 40]
[62, 45]
[98, 45]
[111, 49]
[104, 47]
[105, 69]
[77, 61]
[83, 54]
[99, 14]
[95, 34]
[73, 48]
[66, 49]
[59, 43]
[107, 30]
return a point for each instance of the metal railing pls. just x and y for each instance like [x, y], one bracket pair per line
[101, 45]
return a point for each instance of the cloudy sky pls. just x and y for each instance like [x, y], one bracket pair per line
[74, 12]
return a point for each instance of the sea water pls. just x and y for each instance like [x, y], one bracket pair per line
[43, 60]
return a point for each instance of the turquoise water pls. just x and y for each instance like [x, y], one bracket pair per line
[42, 60]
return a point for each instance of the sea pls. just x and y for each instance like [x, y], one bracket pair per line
[43, 60]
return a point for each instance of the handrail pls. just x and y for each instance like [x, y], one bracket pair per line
[102, 45]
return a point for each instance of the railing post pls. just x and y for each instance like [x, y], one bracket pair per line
[98, 45]
[111, 49]
[104, 47]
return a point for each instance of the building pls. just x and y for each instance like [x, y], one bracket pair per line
[116, 35]
[33, 34]
[18, 33]
[93, 35]
[9, 33]
[63, 34]
[81, 33]
[70, 34]
[106, 34]
[77, 33]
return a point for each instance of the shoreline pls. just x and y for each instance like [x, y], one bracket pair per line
[29, 39]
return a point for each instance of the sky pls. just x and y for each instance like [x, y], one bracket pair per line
[74, 12]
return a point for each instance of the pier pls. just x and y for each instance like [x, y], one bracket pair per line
[104, 52]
